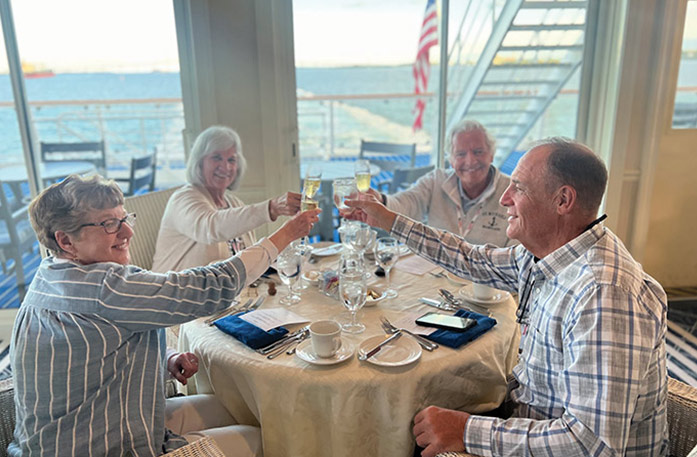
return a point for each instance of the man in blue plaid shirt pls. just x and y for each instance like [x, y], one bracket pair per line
[591, 376]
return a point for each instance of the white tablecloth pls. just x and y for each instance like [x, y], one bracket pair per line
[353, 408]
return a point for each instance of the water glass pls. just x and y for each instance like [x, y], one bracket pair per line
[288, 268]
[386, 255]
[304, 249]
[343, 188]
[352, 293]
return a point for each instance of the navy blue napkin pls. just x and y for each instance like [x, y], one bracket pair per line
[454, 339]
[247, 333]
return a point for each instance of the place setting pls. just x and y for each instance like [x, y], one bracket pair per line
[481, 294]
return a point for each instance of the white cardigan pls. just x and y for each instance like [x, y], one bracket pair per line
[435, 200]
[194, 232]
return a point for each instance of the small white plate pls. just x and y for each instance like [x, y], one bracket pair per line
[402, 351]
[322, 250]
[458, 281]
[370, 301]
[467, 293]
[312, 276]
[305, 352]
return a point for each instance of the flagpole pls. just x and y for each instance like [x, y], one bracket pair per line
[442, 83]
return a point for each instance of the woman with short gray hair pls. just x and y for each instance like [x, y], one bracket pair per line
[88, 346]
[204, 222]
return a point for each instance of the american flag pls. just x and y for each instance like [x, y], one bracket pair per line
[422, 66]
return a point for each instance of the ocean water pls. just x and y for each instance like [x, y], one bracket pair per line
[327, 128]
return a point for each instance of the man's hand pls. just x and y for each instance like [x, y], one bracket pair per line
[369, 209]
[284, 205]
[439, 430]
[182, 365]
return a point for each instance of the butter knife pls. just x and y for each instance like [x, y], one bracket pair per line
[366, 355]
[257, 304]
[437, 304]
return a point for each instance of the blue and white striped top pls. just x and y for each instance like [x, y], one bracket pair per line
[88, 351]
[592, 369]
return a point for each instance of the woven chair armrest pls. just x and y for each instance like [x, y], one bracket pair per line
[682, 417]
[454, 454]
[205, 447]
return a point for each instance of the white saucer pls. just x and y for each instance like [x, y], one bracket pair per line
[370, 301]
[312, 276]
[402, 351]
[305, 352]
[467, 293]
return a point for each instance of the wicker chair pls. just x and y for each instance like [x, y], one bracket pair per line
[682, 421]
[202, 448]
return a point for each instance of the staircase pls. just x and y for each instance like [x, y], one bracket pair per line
[511, 60]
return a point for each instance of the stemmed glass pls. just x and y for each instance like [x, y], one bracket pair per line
[352, 291]
[343, 188]
[386, 254]
[360, 239]
[303, 249]
[362, 173]
[311, 184]
[288, 268]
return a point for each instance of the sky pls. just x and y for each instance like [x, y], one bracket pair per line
[139, 35]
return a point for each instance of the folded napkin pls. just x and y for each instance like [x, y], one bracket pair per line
[455, 339]
[247, 333]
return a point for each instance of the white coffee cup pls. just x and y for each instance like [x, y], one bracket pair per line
[482, 292]
[325, 337]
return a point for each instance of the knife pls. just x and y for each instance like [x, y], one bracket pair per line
[437, 304]
[226, 312]
[257, 304]
[327, 249]
[376, 349]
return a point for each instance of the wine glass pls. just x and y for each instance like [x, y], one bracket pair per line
[360, 239]
[386, 254]
[303, 249]
[362, 172]
[288, 268]
[352, 292]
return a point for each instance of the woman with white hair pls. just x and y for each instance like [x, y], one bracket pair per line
[204, 222]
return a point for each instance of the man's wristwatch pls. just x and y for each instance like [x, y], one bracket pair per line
[384, 198]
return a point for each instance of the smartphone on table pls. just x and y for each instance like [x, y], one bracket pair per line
[446, 322]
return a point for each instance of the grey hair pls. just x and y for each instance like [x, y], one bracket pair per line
[572, 163]
[466, 125]
[66, 205]
[214, 139]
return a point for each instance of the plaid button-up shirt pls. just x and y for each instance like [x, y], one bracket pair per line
[591, 375]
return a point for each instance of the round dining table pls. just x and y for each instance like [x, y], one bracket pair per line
[352, 408]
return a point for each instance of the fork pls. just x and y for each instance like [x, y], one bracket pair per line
[389, 328]
[227, 311]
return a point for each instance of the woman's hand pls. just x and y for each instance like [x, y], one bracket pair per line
[286, 204]
[182, 365]
[295, 228]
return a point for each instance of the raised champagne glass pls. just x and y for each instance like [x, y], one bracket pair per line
[386, 255]
[362, 173]
[311, 185]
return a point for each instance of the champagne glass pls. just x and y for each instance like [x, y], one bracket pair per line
[386, 254]
[311, 185]
[352, 292]
[362, 173]
[288, 268]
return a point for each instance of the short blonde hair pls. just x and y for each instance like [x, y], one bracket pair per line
[214, 139]
[66, 205]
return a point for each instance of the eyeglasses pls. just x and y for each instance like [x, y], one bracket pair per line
[522, 311]
[114, 225]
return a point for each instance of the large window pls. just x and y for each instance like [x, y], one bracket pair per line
[102, 84]
[685, 114]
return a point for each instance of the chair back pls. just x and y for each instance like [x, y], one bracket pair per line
[16, 235]
[387, 155]
[205, 447]
[404, 177]
[682, 417]
[7, 414]
[93, 152]
[149, 209]
[142, 176]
